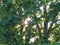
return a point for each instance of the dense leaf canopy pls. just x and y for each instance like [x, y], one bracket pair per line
[29, 22]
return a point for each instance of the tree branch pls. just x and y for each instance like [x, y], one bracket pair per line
[53, 28]
[39, 30]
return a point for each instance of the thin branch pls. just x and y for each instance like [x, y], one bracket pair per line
[39, 30]
[53, 28]
[50, 27]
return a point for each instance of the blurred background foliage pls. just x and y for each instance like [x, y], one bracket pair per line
[29, 22]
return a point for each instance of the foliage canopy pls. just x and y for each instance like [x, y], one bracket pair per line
[29, 22]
